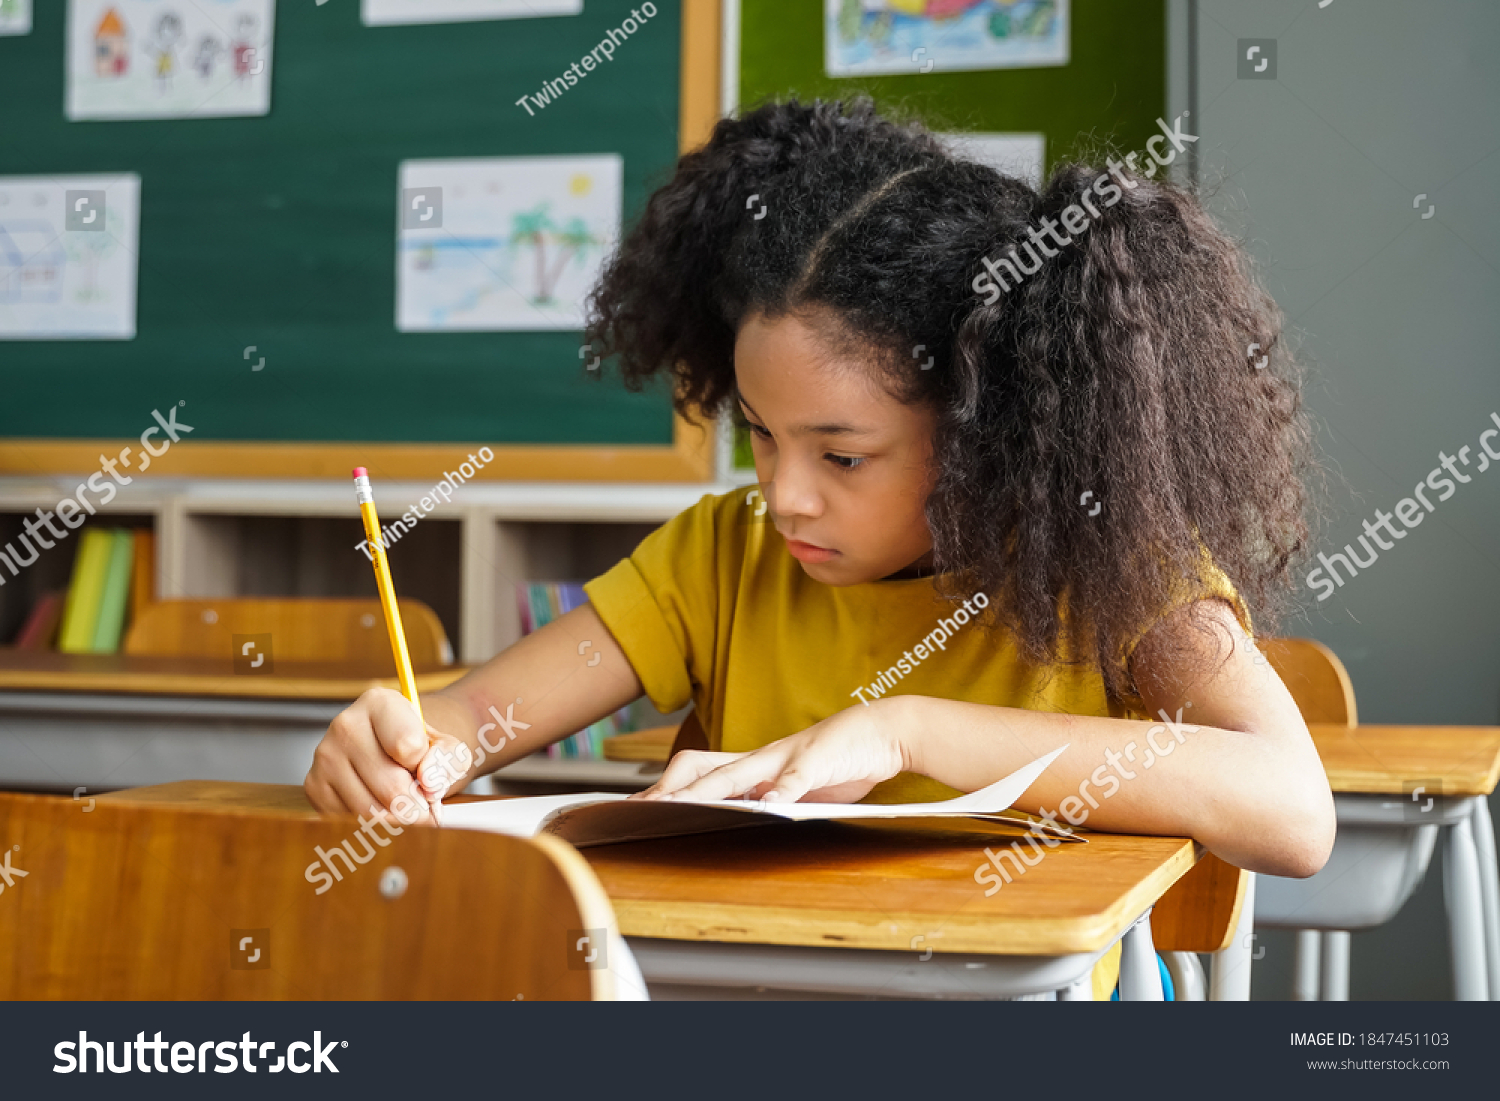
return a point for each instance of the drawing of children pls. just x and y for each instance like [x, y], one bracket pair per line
[244, 48]
[209, 49]
[168, 34]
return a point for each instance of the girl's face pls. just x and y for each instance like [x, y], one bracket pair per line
[845, 467]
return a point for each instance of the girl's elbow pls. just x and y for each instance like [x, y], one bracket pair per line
[1303, 841]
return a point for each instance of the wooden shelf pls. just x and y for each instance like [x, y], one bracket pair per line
[224, 537]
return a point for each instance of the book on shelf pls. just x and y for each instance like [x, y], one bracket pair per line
[86, 591]
[40, 629]
[142, 572]
[116, 595]
[101, 596]
[541, 602]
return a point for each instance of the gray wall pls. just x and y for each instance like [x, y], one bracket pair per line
[1373, 103]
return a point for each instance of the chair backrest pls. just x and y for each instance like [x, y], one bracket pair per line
[129, 901]
[1315, 677]
[300, 630]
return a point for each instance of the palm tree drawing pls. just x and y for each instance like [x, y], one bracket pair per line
[534, 228]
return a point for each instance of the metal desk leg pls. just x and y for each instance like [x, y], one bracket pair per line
[1335, 966]
[1080, 991]
[1140, 978]
[1464, 898]
[1229, 975]
[1489, 881]
[1305, 980]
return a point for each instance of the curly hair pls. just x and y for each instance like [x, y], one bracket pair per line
[1122, 367]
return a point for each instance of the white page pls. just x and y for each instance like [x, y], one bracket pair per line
[997, 797]
[524, 817]
[518, 817]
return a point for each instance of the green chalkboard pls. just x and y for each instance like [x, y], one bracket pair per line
[280, 232]
[1112, 89]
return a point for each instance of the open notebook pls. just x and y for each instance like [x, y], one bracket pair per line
[600, 818]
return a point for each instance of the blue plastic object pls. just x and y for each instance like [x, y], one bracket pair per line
[1168, 993]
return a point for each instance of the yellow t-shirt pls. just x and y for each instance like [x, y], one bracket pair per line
[712, 609]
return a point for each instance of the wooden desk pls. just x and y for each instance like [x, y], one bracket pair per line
[844, 908]
[1385, 844]
[49, 671]
[102, 721]
[1384, 760]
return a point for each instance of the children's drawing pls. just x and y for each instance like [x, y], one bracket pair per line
[925, 36]
[374, 13]
[15, 17]
[207, 55]
[127, 59]
[163, 48]
[503, 243]
[62, 277]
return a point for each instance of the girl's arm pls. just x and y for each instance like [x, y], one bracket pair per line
[555, 681]
[1235, 770]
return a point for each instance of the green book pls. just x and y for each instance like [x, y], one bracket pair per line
[116, 596]
[85, 591]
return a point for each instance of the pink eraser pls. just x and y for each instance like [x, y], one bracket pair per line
[361, 472]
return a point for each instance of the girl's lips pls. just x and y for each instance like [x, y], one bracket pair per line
[807, 552]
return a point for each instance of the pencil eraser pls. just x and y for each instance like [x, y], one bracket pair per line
[361, 472]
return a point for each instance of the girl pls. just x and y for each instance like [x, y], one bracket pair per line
[989, 524]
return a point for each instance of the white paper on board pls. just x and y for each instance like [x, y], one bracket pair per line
[503, 243]
[15, 17]
[169, 59]
[69, 256]
[374, 13]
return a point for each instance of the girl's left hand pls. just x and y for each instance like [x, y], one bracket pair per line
[836, 761]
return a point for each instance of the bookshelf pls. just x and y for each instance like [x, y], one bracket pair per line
[241, 537]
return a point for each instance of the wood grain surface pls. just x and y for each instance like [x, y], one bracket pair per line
[144, 902]
[865, 885]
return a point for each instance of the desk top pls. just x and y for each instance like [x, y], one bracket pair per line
[866, 885]
[48, 671]
[1379, 760]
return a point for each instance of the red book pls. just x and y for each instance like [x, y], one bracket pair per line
[40, 629]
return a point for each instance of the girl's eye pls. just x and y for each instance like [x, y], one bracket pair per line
[758, 430]
[845, 462]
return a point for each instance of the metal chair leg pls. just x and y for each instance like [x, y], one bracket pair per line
[1188, 979]
[1140, 978]
[1489, 881]
[1305, 977]
[1229, 975]
[1335, 967]
[1464, 897]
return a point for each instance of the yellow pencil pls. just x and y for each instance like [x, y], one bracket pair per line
[366, 498]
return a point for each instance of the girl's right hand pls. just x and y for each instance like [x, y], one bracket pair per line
[370, 756]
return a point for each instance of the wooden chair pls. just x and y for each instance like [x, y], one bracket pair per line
[300, 630]
[1205, 910]
[1316, 679]
[120, 900]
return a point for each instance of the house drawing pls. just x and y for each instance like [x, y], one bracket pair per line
[31, 263]
[111, 46]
